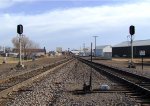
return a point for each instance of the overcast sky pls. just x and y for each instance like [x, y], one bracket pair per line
[70, 23]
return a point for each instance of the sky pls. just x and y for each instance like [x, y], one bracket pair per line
[73, 23]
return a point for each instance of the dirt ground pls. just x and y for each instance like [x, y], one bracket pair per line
[5, 69]
[123, 64]
[9, 69]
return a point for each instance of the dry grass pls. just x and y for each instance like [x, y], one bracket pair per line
[16, 60]
[123, 63]
[11, 60]
[136, 60]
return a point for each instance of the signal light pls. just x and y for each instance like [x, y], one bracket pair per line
[132, 30]
[19, 29]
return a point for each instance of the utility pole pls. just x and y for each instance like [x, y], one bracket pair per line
[91, 52]
[95, 45]
[83, 49]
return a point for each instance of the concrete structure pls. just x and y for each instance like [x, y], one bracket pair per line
[58, 54]
[4, 50]
[104, 51]
[75, 52]
[59, 49]
[13, 55]
[51, 53]
[123, 49]
[86, 52]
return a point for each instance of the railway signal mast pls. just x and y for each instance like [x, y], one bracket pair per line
[132, 32]
[20, 31]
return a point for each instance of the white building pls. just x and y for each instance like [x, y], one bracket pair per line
[59, 49]
[75, 52]
[86, 52]
[104, 51]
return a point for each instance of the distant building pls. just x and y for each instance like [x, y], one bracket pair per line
[75, 52]
[31, 52]
[104, 51]
[59, 49]
[5, 50]
[86, 52]
[13, 55]
[123, 49]
[51, 53]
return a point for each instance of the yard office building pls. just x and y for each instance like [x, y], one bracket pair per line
[124, 49]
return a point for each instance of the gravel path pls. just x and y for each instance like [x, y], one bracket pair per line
[57, 89]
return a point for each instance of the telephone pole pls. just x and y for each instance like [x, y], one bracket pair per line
[83, 49]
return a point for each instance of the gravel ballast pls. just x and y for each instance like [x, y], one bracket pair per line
[57, 89]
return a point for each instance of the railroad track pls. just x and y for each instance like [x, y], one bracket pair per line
[18, 81]
[73, 95]
[139, 85]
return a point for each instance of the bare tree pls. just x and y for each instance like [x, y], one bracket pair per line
[25, 42]
[15, 42]
[8, 49]
[32, 45]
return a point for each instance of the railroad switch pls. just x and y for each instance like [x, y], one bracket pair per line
[131, 65]
[86, 88]
[20, 66]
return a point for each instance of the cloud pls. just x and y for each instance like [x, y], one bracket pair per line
[78, 25]
[8, 3]
[5, 3]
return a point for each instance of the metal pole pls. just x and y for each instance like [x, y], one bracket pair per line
[90, 83]
[131, 50]
[91, 52]
[20, 62]
[4, 60]
[142, 62]
[95, 44]
[84, 49]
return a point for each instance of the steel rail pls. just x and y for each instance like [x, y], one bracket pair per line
[28, 82]
[142, 91]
